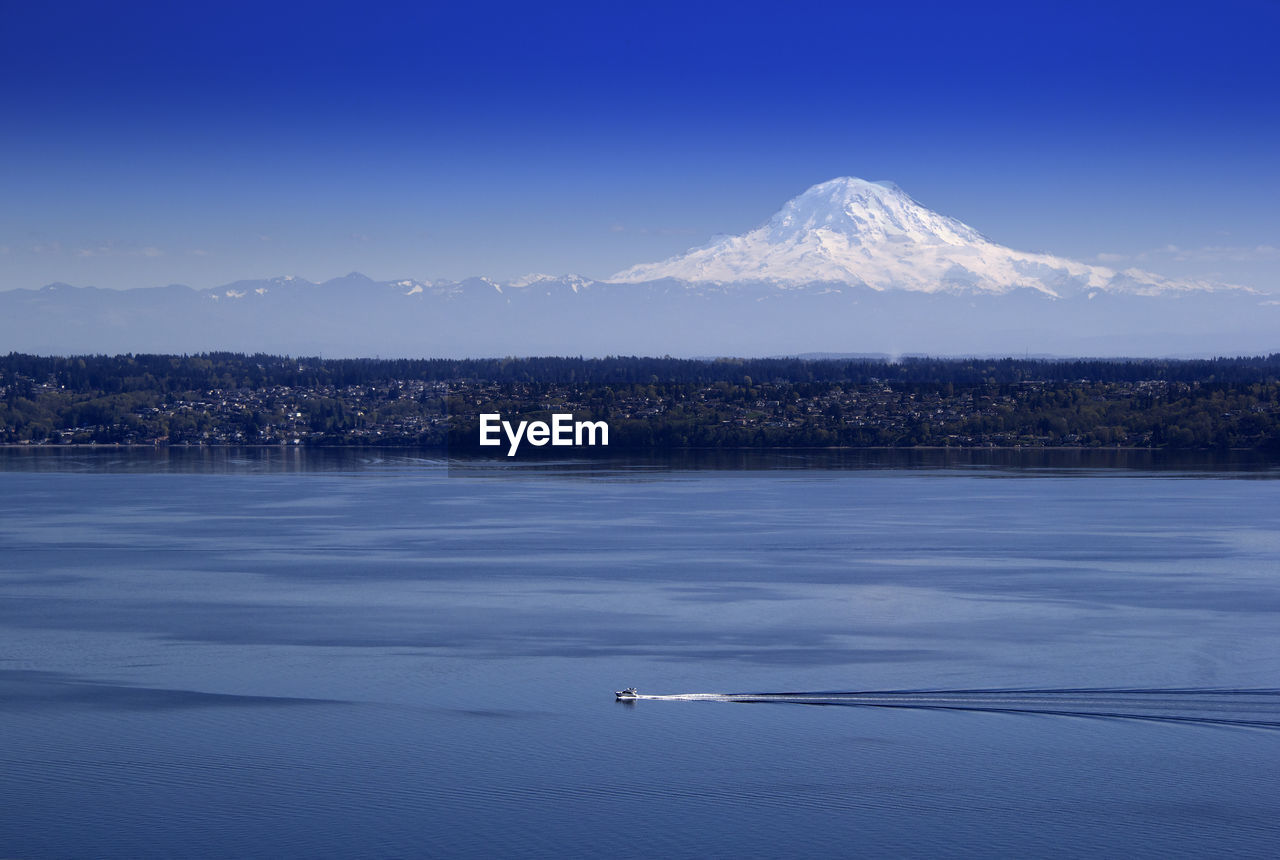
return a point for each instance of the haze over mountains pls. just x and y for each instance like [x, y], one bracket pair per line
[849, 266]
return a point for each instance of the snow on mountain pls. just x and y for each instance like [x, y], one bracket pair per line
[848, 266]
[851, 231]
[575, 282]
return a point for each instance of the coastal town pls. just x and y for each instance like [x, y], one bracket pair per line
[231, 400]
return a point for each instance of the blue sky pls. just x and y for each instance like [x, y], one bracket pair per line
[190, 143]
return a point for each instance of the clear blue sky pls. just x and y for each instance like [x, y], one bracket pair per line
[144, 144]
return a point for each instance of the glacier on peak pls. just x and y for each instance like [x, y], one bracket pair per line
[873, 234]
[866, 213]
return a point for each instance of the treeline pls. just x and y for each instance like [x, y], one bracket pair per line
[650, 403]
[113, 374]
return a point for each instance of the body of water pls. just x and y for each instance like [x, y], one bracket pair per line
[292, 653]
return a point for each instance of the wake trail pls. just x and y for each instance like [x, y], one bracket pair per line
[1251, 708]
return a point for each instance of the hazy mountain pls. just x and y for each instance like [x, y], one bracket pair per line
[847, 267]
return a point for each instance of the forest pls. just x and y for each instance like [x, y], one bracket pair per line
[650, 403]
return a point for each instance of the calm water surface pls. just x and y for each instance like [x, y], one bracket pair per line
[309, 654]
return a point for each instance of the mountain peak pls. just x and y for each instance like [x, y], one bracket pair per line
[856, 185]
[351, 279]
[873, 234]
[866, 213]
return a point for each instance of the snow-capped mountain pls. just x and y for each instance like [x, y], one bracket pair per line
[872, 234]
[847, 267]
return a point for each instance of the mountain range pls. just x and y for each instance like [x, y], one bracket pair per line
[849, 266]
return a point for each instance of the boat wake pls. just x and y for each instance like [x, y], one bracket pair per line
[1250, 708]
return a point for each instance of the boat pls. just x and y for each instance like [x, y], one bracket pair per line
[627, 694]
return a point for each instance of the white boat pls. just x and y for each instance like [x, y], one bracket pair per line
[629, 693]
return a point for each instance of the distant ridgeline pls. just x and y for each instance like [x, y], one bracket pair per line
[649, 403]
